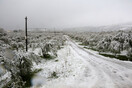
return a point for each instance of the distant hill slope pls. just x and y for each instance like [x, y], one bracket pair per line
[127, 26]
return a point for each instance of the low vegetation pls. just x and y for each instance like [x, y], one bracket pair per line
[118, 43]
[18, 63]
[53, 75]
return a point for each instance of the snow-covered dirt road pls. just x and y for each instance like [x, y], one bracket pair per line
[76, 67]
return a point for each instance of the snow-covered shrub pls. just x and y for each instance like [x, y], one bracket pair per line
[5, 39]
[47, 41]
[114, 42]
[115, 47]
[85, 42]
[18, 63]
[34, 58]
[14, 46]
[49, 51]
[126, 45]
[20, 45]
[2, 32]
[19, 66]
[17, 45]
[129, 54]
[130, 42]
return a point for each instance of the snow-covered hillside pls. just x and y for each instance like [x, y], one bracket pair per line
[107, 28]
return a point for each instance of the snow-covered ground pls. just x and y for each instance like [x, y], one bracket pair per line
[76, 67]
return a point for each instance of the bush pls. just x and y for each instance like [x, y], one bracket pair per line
[49, 51]
[53, 75]
[20, 69]
[5, 39]
[2, 32]
[120, 57]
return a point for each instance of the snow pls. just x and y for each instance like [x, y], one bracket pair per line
[77, 67]
[5, 76]
[124, 52]
[38, 51]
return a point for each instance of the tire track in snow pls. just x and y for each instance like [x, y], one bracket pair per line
[110, 74]
[102, 79]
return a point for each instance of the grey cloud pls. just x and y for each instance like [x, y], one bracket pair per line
[64, 13]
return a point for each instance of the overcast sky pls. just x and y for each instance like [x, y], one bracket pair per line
[64, 13]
